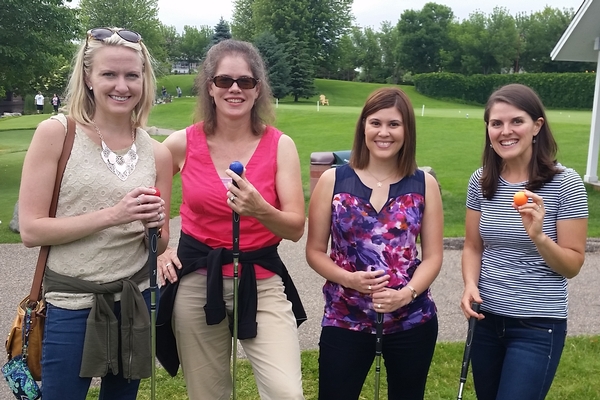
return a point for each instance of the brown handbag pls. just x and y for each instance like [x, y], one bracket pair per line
[32, 352]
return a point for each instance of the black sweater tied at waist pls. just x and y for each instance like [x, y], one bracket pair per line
[195, 255]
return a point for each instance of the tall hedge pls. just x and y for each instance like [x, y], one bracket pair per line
[557, 90]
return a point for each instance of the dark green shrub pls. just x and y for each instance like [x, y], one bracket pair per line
[557, 90]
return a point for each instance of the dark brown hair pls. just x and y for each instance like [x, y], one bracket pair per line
[379, 100]
[542, 166]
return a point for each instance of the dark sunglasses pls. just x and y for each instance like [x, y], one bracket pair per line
[104, 33]
[225, 82]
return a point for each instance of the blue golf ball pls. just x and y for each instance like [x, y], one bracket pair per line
[237, 167]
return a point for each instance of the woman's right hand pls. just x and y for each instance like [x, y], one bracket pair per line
[470, 295]
[367, 282]
[140, 204]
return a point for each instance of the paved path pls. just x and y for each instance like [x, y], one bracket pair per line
[17, 266]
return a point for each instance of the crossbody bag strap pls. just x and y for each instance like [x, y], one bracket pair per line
[36, 287]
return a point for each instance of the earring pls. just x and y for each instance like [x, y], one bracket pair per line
[491, 147]
[533, 140]
[90, 88]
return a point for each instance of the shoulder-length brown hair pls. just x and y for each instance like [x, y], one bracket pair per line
[542, 166]
[262, 113]
[381, 99]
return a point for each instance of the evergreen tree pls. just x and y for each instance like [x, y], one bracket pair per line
[278, 69]
[301, 69]
[222, 32]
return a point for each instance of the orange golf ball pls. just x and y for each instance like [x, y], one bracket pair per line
[520, 198]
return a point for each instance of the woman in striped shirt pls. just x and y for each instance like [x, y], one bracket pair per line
[517, 259]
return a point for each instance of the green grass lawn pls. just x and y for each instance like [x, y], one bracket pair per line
[447, 141]
[576, 378]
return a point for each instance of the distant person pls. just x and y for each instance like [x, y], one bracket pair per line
[376, 213]
[520, 279]
[178, 89]
[96, 283]
[39, 102]
[164, 92]
[55, 103]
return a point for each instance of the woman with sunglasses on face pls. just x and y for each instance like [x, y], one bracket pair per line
[520, 278]
[96, 282]
[371, 213]
[235, 106]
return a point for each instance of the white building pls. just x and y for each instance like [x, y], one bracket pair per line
[581, 42]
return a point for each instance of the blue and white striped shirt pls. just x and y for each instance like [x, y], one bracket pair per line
[515, 281]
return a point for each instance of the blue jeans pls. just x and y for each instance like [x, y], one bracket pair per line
[516, 358]
[62, 351]
[345, 358]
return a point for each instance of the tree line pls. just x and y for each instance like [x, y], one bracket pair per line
[299, 39]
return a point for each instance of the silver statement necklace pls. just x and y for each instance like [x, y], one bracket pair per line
[121, 166]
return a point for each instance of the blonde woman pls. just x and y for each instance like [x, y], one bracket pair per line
[96, 282]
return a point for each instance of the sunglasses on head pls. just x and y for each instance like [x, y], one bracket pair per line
[225, 82]
[104, 33]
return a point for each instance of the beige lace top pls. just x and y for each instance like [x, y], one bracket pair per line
[88, 185]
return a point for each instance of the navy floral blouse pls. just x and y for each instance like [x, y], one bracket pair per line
[365, 239]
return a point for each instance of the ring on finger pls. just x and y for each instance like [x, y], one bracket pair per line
[379, 305]
[167, 265]
[232, 198]
[160, 216]
[138, 201]
[369, 287]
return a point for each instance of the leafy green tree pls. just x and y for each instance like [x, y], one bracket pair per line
[301, 71]
[278, 69]
[343, 65]
[138, 15]
[540, 32]
[372, 56]
[503, 38]
[222, 32]
[242, 25]
[389, 41]
[423, 35]
[318, 23]
[35, 43]
[194, 43]
[172, 42]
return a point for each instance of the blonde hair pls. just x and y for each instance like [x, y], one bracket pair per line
[80, 99]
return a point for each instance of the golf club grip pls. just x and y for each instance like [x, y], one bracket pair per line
[467, 354]
[153, 244]
[379, 334]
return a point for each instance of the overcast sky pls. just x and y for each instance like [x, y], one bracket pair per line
[367, 12]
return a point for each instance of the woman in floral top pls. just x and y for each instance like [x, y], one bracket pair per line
[374, 209]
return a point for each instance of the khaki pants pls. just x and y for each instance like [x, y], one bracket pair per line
[205, 351]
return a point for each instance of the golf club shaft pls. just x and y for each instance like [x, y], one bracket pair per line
[152, 260]
[378, 350]
[467, 353]
[236, 257]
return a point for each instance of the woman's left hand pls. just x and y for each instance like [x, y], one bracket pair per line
[389, 300]
[532, 215]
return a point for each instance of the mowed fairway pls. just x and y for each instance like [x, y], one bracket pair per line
[450, 138]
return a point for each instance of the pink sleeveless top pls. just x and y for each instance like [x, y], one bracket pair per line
[205, 214]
